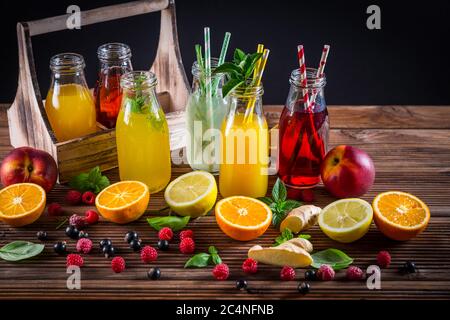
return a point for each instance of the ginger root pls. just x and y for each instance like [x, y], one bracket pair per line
[293, 253]
[301, 218]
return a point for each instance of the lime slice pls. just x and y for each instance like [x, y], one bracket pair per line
[192, 194]
[346, 220]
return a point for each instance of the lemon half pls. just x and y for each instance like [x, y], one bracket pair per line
[346, 220]
[192, 194]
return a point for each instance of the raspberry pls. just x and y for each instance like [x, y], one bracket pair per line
[74, 260]
[165, 234]
[186, 234]
[383, 259]
[287, 273]
[73, 197]
[250, 266]
[148, 254]
[118, 264]
[84, 245]
[54, 209]
[91, 217]
[88, 198]
[77, 221]
[308, 195]
[325, 273]
[221, 271]
[354, 273]
[187, 245]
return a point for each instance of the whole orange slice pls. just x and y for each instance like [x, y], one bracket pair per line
[21, 204]
[243, 218]
[400, 215]
[123, 201]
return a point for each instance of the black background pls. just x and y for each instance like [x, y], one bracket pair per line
[406, 62]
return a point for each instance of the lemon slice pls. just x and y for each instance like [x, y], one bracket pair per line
[346, 220]
[192, 194]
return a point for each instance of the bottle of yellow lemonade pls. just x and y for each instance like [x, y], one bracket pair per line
[69, 104]
[142, 134]
[245, 152]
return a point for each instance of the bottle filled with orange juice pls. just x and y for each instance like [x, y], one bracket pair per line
[245, 145]
[69, 104]
[142, 133]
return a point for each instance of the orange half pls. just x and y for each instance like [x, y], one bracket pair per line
[400, 215]
[123, 202]
[243, 218]
[21, 204]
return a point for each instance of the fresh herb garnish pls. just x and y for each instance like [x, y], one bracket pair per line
[239, 72]
[287, 235]
[335, 258]
[20, 250]
[173, 222]
[201, 260]
[93, 181]
[279, 204]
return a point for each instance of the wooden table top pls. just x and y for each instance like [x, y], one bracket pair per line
[411, 150]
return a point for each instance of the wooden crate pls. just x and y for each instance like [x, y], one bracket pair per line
[27, 119]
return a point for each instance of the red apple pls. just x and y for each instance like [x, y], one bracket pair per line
[26, 164]
[347, 172]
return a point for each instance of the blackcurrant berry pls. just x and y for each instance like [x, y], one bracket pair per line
[310, 275]
[105, 242]
[108, 251]
[410, 267]
[303, 288]
[136, 244]
[83, 234]
[42, 235]
[60, 247]
[72, 232]
[130, 236]
[154, 273]
[163, 245]
[241, 284]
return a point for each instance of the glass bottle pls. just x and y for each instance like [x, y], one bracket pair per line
[245, 145]
[204, 116]
[142, 134]
[114, 61]
[304, 130]
[69, 104]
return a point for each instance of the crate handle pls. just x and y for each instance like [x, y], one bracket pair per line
[97, 15]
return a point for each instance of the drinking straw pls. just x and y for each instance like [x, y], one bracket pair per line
[207, 61]
[198, 52]
[302, 69]
[223, 54]
[256, 83]
[320, 70]
[256, 70]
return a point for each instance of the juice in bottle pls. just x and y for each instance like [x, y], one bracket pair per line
[142, 134]
[245, 151]
[303, 133]
[69, 104]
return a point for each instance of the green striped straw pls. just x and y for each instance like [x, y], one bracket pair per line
[207, 61]
[223, 54]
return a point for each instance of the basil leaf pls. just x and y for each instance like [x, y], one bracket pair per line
[266, 200]
[200, 260]
[173, 222]
[337, 259]
[20, 250]
[305, 236]
[279, 192]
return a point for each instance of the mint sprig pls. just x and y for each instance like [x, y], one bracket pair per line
[201, 260]
[287, 235]
[92, 181]
[279, 204]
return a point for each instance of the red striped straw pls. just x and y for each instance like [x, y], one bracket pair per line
[320, 70]
[302, 69]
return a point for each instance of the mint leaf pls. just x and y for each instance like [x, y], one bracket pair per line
[289, 205]
[279, 192]
[230, 86]
[286, 235]
[305, 236]
[238, 56]
[336, 258]
[215, 258]
[200, 260]
[266, 200]
[20, 250]
[173, 222]
[92, 181]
